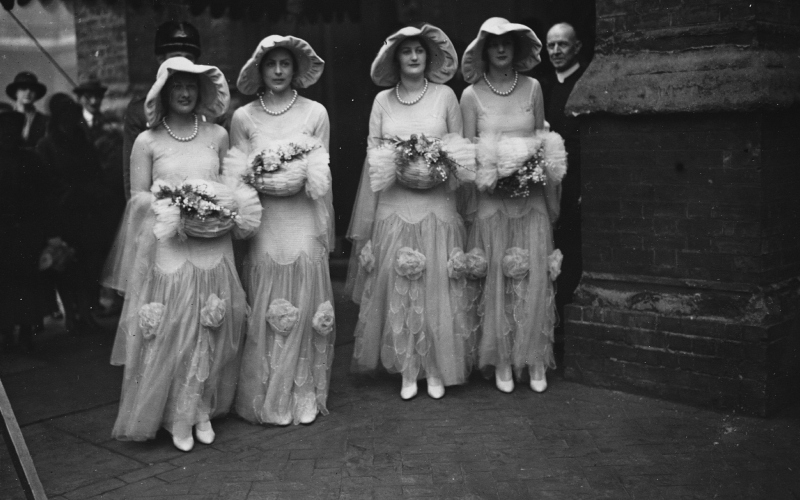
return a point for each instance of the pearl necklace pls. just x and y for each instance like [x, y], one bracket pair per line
[507, 92]
[419, 97]
[181, 139]
[284, 110]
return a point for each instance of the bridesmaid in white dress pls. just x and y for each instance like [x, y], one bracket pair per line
[288, 352]
[411, 321]
[517, 312]
[184, 312]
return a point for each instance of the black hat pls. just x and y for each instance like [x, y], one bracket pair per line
[26, 79]
[177, 36]
[90, 86]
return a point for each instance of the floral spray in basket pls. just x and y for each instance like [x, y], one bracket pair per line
[284, 168]
[199, 208]
[513, 166]
[421, 162]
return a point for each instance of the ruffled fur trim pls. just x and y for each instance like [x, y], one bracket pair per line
[461, 151]
[486, 176]
[318, 180]
[382, 168]
[500, 157]
[555, 155]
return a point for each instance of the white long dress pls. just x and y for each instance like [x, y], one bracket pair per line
[178, 372]
[517, 315]
[284, 378]
[411, 326]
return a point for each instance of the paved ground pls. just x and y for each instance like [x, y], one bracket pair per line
[570, 442]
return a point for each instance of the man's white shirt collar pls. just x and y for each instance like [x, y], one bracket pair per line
[88, 117]
[566, 74]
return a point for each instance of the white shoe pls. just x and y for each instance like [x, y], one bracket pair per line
[501, 373]
[539, 385]
[183, 444]
[435, 388]
[308, 416]
[204, 432]
[506, 386]
[409, 390]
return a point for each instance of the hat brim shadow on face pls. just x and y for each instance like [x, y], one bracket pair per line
[527, 48]
[309, 65]
[442, 57]
[213, 97]
[39, 89]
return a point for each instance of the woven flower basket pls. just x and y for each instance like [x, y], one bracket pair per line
[418, 175]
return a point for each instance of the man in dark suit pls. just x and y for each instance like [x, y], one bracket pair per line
[173, 39]
[563, 48]
[25, 90]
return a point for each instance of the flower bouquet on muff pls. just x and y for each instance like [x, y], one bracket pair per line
[285, 167]
[196, 207]
[421, 162]
[514, 166]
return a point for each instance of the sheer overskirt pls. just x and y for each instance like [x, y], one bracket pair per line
[517, 315]
[286, 376]
[186, 372]
[417, 327]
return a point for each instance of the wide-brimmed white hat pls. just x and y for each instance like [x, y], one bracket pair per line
[526, 55]
[213, 97]
[442, 57]
[308, 71]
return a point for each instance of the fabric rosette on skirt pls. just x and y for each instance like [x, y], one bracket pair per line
[288, 165]
[196, 207]
[421, 162]
[511, 166]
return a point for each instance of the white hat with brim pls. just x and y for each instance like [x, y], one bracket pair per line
[526, 55]
[442, 56]
[213, 97]
[308, 71]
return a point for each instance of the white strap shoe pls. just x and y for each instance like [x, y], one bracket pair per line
[183, 444]
[408, 390]
[204, 432]
[539, 385]
[435, 388]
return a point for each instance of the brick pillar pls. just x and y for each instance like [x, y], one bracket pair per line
[690, 145]
[102, 48]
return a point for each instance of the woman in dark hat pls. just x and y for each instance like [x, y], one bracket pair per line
[25, 211]
[25, 90]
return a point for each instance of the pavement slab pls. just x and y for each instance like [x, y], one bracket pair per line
[570, 442]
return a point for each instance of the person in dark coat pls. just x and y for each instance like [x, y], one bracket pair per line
[173, 39]
[105, 134]
[25, 90]
[563, 48]
[24, 214]
[81, 198]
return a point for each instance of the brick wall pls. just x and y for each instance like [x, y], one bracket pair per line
[691, 285]
[102, 46]
[692, 196]
[631, 25]
[706, 361]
